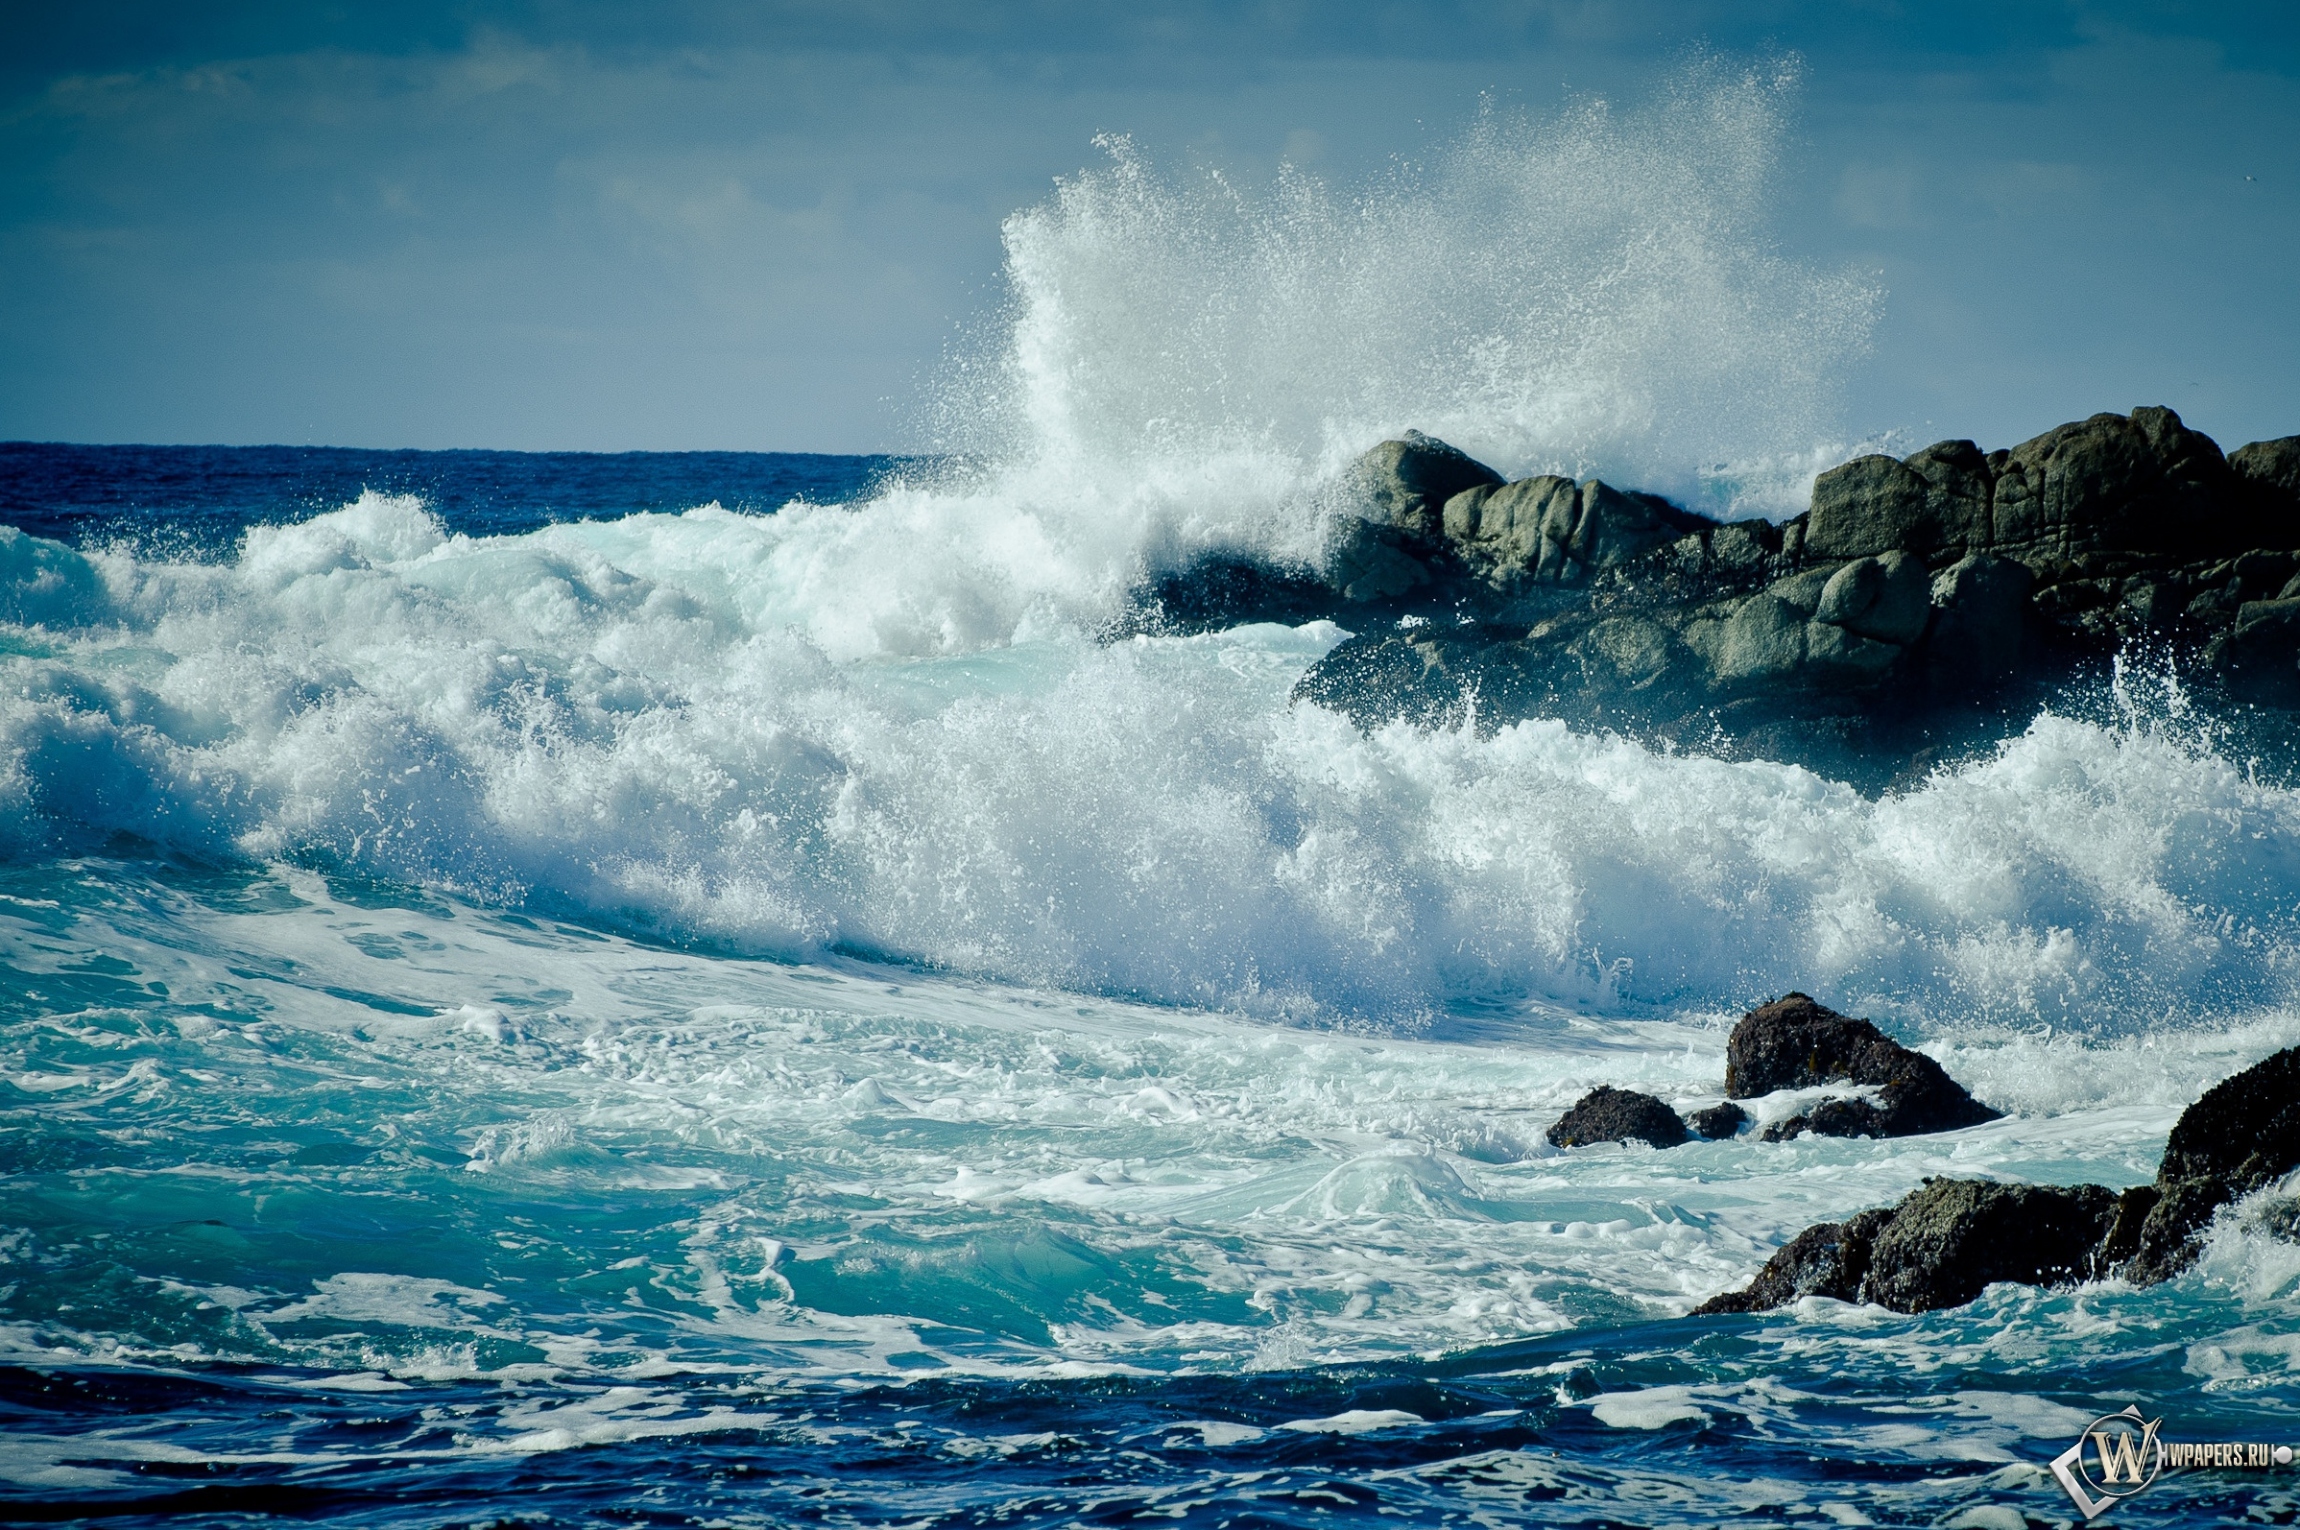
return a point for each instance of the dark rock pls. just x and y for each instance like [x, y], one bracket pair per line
[1954, 1238]
[1940, 1247]
[1720, 1121]
[2122, 1240]
[1433, 677]
[1829, 1259]
[1795, 1043]
[1922, 609]
[1982, 601]
[1935, 505]
[1844, 1116]
[2273, 466]
[1377, 564]
[1222, 591]
[2260, 655]
[1945, 1244]
[2243, 1135]
[1405, 483]
[1607, 1114]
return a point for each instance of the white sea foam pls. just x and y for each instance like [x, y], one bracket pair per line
[597, 719]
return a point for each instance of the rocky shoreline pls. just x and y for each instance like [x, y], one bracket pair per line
[1947, 1242]
[1919, 605]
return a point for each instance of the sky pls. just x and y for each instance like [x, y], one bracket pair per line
[704, 224]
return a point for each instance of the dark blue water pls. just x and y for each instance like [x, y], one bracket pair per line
[205, 496]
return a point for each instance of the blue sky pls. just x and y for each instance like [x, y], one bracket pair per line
[756, 225]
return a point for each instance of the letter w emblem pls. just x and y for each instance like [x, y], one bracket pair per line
[2123, 1454]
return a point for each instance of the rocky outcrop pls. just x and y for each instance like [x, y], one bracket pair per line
[1946, 1243]
[1922, 604]
[2242, 1136]
[1796, 1043]
[1607, 1114]
[1940, 1247]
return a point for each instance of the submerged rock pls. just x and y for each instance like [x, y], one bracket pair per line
[1796, 1043]
[1720, 1121]
[1607, 1114]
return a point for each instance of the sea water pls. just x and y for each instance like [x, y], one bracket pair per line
[734, 990]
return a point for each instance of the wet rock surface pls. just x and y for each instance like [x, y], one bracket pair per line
[1942, 1246]
[1797, 1043]
[1719, 1121]
[1921, 606]
[1607, 1114]
[1949, 1241]
[2242, 1136]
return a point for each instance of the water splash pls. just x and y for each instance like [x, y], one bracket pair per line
[1589, 292]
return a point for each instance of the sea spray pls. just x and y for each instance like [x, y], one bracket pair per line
[1590, 292]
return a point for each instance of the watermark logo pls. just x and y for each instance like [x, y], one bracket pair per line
[2127, 1454]
[2127, 1457]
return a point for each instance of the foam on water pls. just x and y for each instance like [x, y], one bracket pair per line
[436, 1141]
[616, 720]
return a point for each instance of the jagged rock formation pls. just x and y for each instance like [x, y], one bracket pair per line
[1919, 601]
[1795, 1043]
[1945, 1244]
[1607, 1114]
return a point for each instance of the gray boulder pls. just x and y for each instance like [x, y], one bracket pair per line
[2142, 482]
[1405, 483]
[1934, 504]
[1551, 530]
[1887, 598]
[2272, 466]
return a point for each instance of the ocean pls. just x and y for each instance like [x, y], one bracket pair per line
[733, 989]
